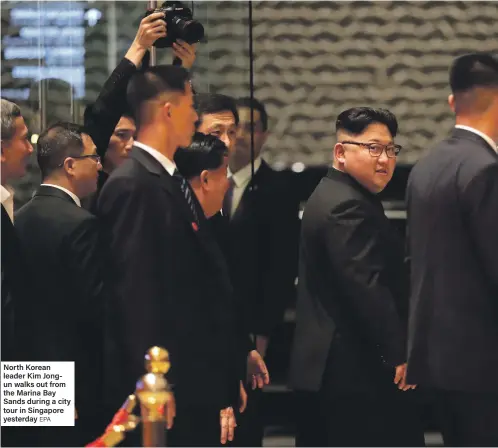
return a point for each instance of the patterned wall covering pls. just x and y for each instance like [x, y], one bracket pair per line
[312, 60]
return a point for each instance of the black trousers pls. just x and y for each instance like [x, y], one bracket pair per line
[468, 419]
[195, 426]
[250, 431]
[357, 420]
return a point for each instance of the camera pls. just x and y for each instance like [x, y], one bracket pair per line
[180, 24]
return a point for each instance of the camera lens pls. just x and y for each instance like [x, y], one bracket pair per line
[191, 31]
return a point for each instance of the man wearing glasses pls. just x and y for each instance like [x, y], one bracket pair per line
[349, 353]
[62, 321]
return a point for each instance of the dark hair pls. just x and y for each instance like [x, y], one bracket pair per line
[56, 143]
[355, 120]
[255, 105]
[206, 152]
[474, 70]
[212, 103]
[154, 81]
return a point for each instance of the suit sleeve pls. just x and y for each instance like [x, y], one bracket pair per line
[357, 255]
[481, 202]
[86, 263]
[130, 218]
[102, 116]
[280, 265]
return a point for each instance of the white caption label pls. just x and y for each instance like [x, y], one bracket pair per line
[37, 394]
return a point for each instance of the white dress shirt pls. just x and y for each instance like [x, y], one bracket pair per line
[75, 198]
[168, 165]
[241, 180]
[7, 198]
[488, 139]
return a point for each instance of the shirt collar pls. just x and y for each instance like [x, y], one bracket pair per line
[6, 193]
[75, 198]
[168, 165]
[243, 176]
[487, 138]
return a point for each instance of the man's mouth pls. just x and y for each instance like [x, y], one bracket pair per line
[383, 172]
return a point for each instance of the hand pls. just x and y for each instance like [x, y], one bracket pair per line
[185, 52]
[227, 424]
[400, 378]
[151, 28]
[257, 373]
[243, 398]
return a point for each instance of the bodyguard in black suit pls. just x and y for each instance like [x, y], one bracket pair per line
[452, 198]
[348, 357]
[63, 321]
[257, 231]
[166, 283]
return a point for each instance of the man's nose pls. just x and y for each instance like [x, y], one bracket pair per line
[225, 139]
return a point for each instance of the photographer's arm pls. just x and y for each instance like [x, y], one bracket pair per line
[102, 116]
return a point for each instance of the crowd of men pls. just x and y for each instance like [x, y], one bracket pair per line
[153, 226]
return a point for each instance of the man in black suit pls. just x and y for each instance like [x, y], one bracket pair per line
[452, 199]
[16, 278]
[16, 150]
[349, 355]
[62, 321]
[167, 285]
[256, 229]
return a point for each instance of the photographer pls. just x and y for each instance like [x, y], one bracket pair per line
[109, 121]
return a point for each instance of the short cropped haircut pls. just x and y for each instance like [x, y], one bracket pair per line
[56, 143]
[10, 111]
[354, 121]
[474, 70]
[253, 103]
[153, 82]
[206, 152]
[213, 103]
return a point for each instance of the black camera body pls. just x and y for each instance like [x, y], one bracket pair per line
[180, 24]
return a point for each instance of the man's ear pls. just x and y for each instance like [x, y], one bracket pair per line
[69, 165]
[167, 109]
[451, 102]
[339, 153]
[204, 177]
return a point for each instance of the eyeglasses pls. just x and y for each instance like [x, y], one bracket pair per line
[376, 149]
[86, 156]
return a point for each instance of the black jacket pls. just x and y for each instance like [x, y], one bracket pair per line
[63, 320]
[352, 290]
[260, 244]
[452, 199]
[170, 288]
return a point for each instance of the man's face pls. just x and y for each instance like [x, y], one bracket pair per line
[85, 169]
[16, 151]
[215, 185]
[183, 117]
[221, 125]
[120, 144]
[242, 154]
[374, 173]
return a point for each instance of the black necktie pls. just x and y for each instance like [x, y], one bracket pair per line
[228, 200]
[187, 193]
